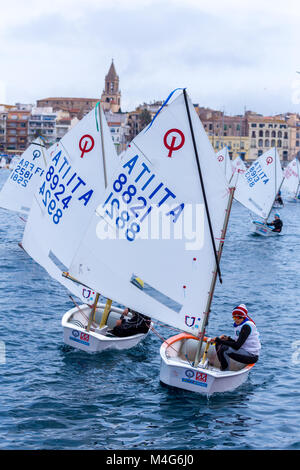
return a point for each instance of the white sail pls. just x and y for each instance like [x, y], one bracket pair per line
[164, 278]
[17, 193]
[258, 187]
[291, 177]
[238, 166]
[68, 194]
[225, 163]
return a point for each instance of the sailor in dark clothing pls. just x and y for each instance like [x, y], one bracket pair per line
[138, 323]
[277, 223]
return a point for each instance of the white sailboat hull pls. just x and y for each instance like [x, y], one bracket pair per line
[95, 340]
[276, 205]
[262, 229]
[177, 370]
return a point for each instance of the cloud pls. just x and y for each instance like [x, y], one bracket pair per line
[225, 54]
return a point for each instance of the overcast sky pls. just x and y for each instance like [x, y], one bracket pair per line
[230, 54]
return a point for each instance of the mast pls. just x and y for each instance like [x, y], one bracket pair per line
[103, 149]
[214, 278]
[108, 301]
[202, 186]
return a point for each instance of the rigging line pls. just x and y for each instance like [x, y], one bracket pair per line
[202, 186]
[162, 338]
[40, 145]
[133, 143]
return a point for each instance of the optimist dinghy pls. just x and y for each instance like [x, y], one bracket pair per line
[260, 228]
[257, 190]
[178, 277]
[225, 163]
[80, 165]
[96, 338]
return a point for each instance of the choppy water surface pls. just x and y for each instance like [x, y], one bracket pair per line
[53, 397]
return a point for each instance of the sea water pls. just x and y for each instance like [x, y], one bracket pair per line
[54, 397]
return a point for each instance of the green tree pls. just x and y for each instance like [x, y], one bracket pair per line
[144, 118]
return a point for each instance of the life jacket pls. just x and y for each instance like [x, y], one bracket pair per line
[252, 343]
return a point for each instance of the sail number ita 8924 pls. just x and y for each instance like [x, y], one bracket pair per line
[61, 185]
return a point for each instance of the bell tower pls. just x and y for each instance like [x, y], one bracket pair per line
[111, 95]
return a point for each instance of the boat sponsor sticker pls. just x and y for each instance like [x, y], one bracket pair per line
[195, 378]
[80, 337]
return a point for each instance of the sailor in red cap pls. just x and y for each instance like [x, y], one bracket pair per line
[245, 345]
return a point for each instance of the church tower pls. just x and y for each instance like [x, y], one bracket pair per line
[111, 95]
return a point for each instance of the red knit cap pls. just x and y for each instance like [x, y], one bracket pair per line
[240, 311]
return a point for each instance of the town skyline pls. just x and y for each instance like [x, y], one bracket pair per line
[228, 56]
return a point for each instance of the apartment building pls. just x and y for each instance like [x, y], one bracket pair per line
[266, 132]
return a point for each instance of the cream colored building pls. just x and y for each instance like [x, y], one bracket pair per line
[266, 132]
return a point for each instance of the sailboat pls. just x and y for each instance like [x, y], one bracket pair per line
[225, 163]
[291, 183]
[18, 190]
[170, 171]
[3, 163]
[14, 162]
[80, 165]
[258, 188]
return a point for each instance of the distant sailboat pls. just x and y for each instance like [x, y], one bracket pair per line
[169, 168]
[258, 188]
[225, 163]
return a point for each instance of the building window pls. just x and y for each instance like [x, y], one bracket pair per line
[261, 125]
[267, 134]
[260, 143]
[267, 143]
[273, 143]
[279, 143]
[285, 135]
[253, 125]
[261, 134]
[279, 134]
[273, 134]
[253, 134]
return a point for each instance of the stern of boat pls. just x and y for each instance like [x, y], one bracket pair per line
[177, 369]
